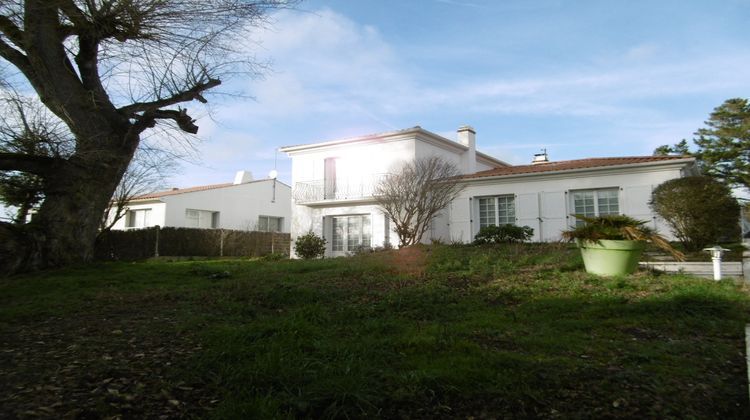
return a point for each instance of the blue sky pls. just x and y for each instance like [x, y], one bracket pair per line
[579, 78]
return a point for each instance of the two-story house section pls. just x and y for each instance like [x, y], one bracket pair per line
[333, 183]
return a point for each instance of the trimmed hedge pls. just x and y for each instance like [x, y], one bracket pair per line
[138, 244]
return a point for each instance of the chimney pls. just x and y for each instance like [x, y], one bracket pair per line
[242, 177]
[468, 137]
[540, 158]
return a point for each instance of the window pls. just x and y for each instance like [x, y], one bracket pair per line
[500, 210]
[592, 203]
[203, 219]
[269, 224]
[351, 232]
[138, 218]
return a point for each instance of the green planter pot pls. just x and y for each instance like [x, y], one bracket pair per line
[610, 257]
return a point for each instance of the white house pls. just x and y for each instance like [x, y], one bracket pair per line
[244, 204]
[333, 183]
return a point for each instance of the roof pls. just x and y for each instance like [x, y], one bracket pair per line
[175, 191]
[404, 132]
[577, 164]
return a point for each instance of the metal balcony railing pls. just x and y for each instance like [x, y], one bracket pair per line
[349, 188]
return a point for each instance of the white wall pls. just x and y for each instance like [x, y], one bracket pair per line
[547, 197]
[358, 161]
[156, 217]
[238, 205]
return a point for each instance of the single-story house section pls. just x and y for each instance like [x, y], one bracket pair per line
[244, 204]
[545, 195]
[333, 185]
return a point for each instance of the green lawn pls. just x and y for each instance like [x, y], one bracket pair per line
[444, 331]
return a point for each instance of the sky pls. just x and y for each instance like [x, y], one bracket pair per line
[578, 78]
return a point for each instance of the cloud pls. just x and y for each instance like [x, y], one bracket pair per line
[327, 64]
[333, 77]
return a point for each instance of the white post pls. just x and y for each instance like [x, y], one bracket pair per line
[717, 267]
[716, 253]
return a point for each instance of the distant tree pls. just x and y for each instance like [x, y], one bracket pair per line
[680, 149]
[112, 72]
[699, 210]
[415, 194]
[723, 146]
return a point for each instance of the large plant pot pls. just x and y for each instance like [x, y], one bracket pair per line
[610, 257]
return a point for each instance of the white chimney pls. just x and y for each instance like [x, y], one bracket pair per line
[242, 177]
[540, 158]
[468, 137]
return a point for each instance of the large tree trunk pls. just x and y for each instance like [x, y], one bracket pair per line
[64, 229]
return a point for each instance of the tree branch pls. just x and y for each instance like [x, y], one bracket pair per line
[193, 93]
[9, 29]
[16, 58]
[34, 164]
[179, 116]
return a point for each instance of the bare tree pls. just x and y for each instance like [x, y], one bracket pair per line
[110, 70]
[416, 193]
[146, 173]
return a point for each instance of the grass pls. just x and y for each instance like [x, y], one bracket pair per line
[443, 331]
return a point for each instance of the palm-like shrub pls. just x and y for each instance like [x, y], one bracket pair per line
[619, 227]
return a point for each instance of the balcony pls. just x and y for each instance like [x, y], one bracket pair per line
[341, 189]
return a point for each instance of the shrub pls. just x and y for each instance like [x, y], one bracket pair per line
[504, 233]
[699, 210]
[310, 246]
[618, 227]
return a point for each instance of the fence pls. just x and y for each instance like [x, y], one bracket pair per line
[140, 244]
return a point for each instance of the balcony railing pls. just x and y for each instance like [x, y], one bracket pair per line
[350, 188]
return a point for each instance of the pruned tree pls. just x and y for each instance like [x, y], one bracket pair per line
[415, 194]
[699, 210]
[110, 71]
[27, 128]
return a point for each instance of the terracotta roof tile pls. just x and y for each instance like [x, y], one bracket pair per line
[176, 191]
[566, 165]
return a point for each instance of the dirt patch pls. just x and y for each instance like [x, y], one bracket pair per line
[410, 261]
[119, 363]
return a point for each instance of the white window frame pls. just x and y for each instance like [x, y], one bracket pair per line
[347, 242]
[597, 196]
[201, 215]
[132, 217]
[494, 201]
[263, 223]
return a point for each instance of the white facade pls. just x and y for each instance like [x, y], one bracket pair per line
[246, 205]
[546, 201]
[333, 181]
